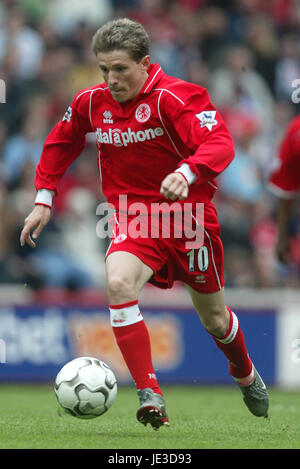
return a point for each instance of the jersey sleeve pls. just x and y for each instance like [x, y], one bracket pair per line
[202, 130]
[64, 144]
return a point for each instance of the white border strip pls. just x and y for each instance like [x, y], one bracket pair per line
[88, 91]
[44, 197]
[152, 80]
[233, 332]
[213, 259]
[284, 194]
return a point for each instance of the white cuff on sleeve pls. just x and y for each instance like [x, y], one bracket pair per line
[187, 173]
[44, 197]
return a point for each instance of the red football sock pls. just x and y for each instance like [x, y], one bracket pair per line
[234, 347]
[134, 343]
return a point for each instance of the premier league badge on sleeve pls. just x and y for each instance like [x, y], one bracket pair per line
[207, 119]
[68, 114]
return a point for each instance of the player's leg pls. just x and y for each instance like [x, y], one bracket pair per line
[224, 327]
[126, 275]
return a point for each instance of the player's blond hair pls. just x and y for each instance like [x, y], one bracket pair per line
[122, 34]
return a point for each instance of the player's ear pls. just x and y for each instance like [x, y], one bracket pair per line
[145, 62]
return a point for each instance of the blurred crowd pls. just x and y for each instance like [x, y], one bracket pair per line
[245, 52]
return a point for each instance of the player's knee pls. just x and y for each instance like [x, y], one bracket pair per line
[219, 330]
[120, 289]
[216, 322]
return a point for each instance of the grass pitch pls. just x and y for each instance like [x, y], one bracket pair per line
[200, 418]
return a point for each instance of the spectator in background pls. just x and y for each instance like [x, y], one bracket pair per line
[24, 45]
[14, 264]
[157, 17]
[262, 38]
[26, 145]
[241, 188]
[213, 24]
[78, 233]
[242, 179]
[51, 265]
[65, 15]
[237, 85]
[288, 66]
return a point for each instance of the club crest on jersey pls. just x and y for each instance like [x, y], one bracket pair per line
[68, 114]
[143, 112]
[207, 119]
[107, 117]
[121, 237]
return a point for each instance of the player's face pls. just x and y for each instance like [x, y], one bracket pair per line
[124, 76]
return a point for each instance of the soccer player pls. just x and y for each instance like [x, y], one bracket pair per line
[285, 183]
[160, 140]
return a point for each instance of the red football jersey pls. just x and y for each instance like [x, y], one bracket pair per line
[141, 141]
[285, 179]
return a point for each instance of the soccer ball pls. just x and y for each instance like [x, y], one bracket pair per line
[85, 387]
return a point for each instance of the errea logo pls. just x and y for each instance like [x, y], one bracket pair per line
[107, 117]
[118, 138]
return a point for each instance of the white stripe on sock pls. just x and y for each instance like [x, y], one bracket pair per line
[125, 316]
[231, 336]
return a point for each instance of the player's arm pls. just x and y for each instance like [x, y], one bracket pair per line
[285, 207]
[62, 146]
[282, 186]
[284, 182]
[202, 129]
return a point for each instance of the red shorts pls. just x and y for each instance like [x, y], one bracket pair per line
[201, 268]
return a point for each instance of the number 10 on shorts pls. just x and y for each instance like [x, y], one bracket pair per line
[201, 255]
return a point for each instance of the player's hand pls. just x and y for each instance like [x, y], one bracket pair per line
[174, 187]
[36, 220]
